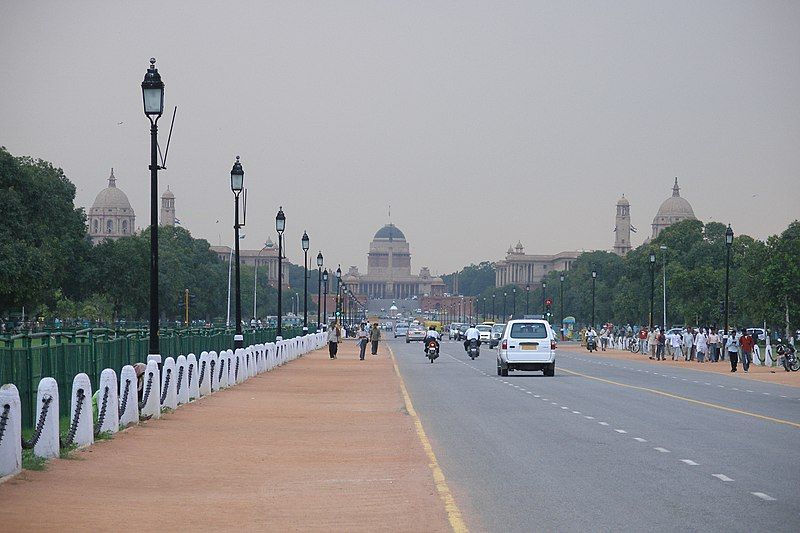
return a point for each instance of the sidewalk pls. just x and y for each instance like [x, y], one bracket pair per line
[757, 373]
[317, 445]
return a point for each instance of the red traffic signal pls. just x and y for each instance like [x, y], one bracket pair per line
[548, 302]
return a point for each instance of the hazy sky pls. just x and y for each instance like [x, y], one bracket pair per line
[483, 123]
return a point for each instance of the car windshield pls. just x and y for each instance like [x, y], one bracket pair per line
[528, 330]
[484, 328]
[498, 328]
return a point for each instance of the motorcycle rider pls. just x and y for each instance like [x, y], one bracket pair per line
[591, 335]
[431, 335]
[472, 333]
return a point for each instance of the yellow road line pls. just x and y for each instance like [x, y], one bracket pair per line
[691, 400]
[453, 512]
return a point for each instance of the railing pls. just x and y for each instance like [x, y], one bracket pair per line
[26, 359]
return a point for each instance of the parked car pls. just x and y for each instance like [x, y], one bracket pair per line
[400, 330]
[486, 332]
[527, 345]
[415, 333]
[497, 332]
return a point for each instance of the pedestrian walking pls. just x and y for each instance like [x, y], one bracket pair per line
[675, 342]
[662, 342]
[643, 335]
[701, 345]
[713, 345]
[746, 343]
[688, 344]
[334, 336]
[375, 337]
[362, 341]
[652, 343]
[732, 347]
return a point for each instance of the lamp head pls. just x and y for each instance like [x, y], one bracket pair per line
[729, 235]
[325, 275]
[339, 272]
[561, 277]
[153, 91]
[594, 273]
[652, 257]
[305, 241]
[237, 177]
[280, 221]
[319, 259]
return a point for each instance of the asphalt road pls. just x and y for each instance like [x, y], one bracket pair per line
[608, 445]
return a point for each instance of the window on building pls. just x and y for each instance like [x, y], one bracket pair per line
[124, 226]
[95, 226]
[109, 226]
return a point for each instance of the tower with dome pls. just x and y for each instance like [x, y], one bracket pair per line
[674, 209]
[111, 215]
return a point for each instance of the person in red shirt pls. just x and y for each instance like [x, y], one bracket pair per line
[746, 342]
[643, 341]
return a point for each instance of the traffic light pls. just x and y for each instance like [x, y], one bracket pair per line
[548, 303]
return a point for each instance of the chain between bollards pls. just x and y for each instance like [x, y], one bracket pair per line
[125, 398]
[102, 415]
[166, 386]
[180, 379]
[146, 394]
[191, 367]
[29, 444]
[73, 427]
[4, 420]
[221, 368]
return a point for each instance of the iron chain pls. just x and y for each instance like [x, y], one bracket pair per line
[221, 368]
[29, 444]
[125, 398]
[236, 371]
[180, 379]
[166, 385]
[4, 420]
[191, 367]
[147, 387]
[102, 415]
[73, 427]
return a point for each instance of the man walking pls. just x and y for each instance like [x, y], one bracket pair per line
[732, 347]
[362, 341]
[688, 344]
[375, 337]
[675, 341]
[642, 341]
[746, 342]
[334, 336]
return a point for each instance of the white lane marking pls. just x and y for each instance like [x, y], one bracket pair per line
[588, 417]
[765, 393]
[620, 431]
[528, 392]
[639, 439]
[765, 497]
[554, 403]
[722, 477]
[734, 388]
[705, 382]
[689, 462]
[603, 423]
[748, 390]
[545, 399]
[563, 407]
[536, 396]
[662, 450]
[721, 386]
[576, 412]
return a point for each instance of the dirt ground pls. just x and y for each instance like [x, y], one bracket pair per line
[758, 373]
[318, 445]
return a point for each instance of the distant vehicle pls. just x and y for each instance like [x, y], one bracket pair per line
[497, 332]
[452, 332]
[462, 331]
[486, 332]
[757, 333]
[400, 330]
[415, 333]
[527, 345]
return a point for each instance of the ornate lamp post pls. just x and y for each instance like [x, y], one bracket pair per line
[514, 301]
[255, 280]
[484, 309]
[280, 226]
[505, 297]
[594, 278]
[305, 243]
[728, 243]
[325, 299]
[153, 98]
[544, 297]
[527, 299]
[237, 185]
[338, 293]
[561, 303]
[652, 285]
[494, 297]
[319, 289]
[664, 274]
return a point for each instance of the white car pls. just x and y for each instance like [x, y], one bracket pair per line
[486, 332]
[415, 333]
[527, 345]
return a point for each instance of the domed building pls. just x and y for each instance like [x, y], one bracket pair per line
[111, 215]
[674, 209]
[389, 270]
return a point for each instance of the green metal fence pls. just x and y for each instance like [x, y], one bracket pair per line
[26, 359]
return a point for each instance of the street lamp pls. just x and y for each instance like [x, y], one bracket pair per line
[663, 249]
[338, 292]
[514, 301]
[305, 242]
[652, 284]
[505, 297]
[561, 303]
[527, 299]
[728, 244]
[280, 226]
[484, 309]
[325, 300]
[594, 278]
[153, 99]
[544, 306]
[237, 185]
[494, 296]
[319, 289]
[255, 279]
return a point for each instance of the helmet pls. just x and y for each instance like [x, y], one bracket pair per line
[472, 325]
[432, 328]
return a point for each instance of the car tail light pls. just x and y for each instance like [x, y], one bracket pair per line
[504, 346]
[552, 345]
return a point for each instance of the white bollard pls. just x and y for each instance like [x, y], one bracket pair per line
[182, 383]
[252, 366]
[213, 370]
[204, 374]
[171, 374]
[152, 405]
[108, 378]
[84, 431]
[193, 376]
[128, 385]
[11, 442]
[222, 370]
[47, 445]
[239, 366]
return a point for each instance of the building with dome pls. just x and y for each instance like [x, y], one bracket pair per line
[521, 269]
[168, 208]
[389, 270]
[623, 227]
[674, 209]
[265, 259]
[111, 215]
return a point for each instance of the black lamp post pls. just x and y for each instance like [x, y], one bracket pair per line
[153, 98]
[594, 278]
[652, 285]
[544, 297]
[494, 297]
[237, 185]
[484, 309]
[325, 297]
[319, 289]
[528, 299]
[505, 297]
[514, 301]
[305, 242]
[338, 292]
[280, 226]
[561, 302]
[728, 243]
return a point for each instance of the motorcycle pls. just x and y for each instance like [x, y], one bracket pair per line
[473, 350]
[591, 344]
[431, 350]
[788, 356]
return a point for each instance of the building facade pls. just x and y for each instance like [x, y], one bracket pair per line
[389, 270]
[168, 208]
[266, 259]
[622, 227]
[111, 215]
[521, 269]
[674, 209]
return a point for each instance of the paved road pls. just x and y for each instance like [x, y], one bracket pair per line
[608, 444]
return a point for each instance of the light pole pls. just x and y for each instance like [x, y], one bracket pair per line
[514, 301]
[494, 297]
[528, 299]
[484, 309]
[325, 299]
[153, 98]
[319, 289]
[280, 226]
[338, 293]
[544, 307]
[255, 280]
[237, 185]
[505, 297]
[594, 278]
[728, 243]
[561, 303]
[305, 242]
[652, 285]
[664, 273]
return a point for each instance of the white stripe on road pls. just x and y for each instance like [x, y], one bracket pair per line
[763, 496]
[603, 423]
[689, 462]
[662, 450]
[588, 417]
[639, 439]
[722, 477]
[620, 431]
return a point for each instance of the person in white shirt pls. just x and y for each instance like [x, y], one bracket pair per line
[675, 341]
[472, 333]
[431, 334]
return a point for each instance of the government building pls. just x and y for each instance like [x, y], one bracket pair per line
[265, 259]
[111, 215]
[519, 268]
[389, 270]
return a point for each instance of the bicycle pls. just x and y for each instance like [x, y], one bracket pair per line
[633, 345]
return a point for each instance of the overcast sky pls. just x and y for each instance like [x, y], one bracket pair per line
[482, 123]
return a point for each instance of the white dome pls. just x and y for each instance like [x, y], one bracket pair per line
[111, 197]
